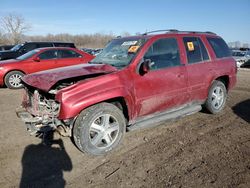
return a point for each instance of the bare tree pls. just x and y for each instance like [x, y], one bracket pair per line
[14, 25]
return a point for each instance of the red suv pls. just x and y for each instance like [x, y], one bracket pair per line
[134, 82]
[38, 60]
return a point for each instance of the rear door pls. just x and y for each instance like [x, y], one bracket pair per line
[199, 68]
[165, 85]
[68, 57]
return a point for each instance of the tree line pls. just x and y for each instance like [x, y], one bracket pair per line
[13, 29]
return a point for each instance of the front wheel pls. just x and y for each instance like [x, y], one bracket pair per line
[13, 80]
[216, 97]
[99, 128]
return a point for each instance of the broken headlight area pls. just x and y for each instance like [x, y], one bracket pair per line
[39, 111]
[40, 104]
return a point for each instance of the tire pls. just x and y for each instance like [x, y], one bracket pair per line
[13, 80]
[93, 132]
[216, 97]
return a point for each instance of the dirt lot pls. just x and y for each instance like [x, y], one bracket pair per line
[200, 150]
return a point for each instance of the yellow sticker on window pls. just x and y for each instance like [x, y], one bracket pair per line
[133, 49]
[190, 46]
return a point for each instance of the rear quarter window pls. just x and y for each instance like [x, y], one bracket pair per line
[220, 47]
[43, 45]
[71, 45]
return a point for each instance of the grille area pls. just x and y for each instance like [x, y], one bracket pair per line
[40, 105]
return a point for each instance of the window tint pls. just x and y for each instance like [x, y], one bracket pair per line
[219, 46]
[30, 46]
[193, 49]
[68, 54]
[43, 45]
[163, 53]
[71, 45]
[205, 56]
[49, 54]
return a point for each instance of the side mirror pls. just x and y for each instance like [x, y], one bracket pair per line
[37, 59]
[145, 66]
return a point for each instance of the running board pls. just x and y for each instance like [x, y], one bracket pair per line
[165, 116]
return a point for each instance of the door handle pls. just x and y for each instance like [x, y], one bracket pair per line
[180, 75]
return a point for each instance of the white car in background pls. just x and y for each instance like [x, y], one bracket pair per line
[241, 57]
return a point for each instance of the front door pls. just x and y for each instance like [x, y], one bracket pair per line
[47, 61]
[165, 85]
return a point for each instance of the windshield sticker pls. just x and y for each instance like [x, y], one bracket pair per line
[133, 49]
[129, 43]
[190, 46]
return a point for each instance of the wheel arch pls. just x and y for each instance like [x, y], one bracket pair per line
[119, 97]
[121, 103]
[224, 79]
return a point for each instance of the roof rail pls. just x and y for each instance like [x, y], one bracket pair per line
[207, 32]
[163, 30]
[177, 31]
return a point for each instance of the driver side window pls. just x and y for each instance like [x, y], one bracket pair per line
[163, 53]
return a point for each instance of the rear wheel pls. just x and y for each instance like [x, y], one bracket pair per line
[216, 97]
[13, 80]
[99, 128]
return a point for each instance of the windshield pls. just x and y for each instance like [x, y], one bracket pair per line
[28, 55]
[16, 47]
[119, 52]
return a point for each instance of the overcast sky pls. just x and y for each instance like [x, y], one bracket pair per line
[228, 18]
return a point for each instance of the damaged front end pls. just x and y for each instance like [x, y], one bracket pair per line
[39, 111]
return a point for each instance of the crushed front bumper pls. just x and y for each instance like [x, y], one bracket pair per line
[34, 124]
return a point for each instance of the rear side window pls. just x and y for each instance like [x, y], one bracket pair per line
[163, 53]
[196, 51]
[68, 54]
[71, 45]
[49, 54]
[220, 47]
[205, 56]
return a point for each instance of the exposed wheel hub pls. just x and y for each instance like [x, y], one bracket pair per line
[15, 80]
[217, 97]
[104, 131]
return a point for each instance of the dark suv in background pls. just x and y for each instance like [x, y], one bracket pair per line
[23, 48]
[6, 47]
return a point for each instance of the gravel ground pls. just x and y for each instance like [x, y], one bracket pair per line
[201, 150]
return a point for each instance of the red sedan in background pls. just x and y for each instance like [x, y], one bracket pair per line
[37, 60]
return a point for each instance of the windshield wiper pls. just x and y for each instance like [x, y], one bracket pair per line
[119, 64]
[112, 64]
[93, 62]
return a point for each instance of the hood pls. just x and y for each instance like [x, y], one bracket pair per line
[45, 80]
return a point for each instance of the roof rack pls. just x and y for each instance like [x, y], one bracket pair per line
[163, 30]
[177, 31]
